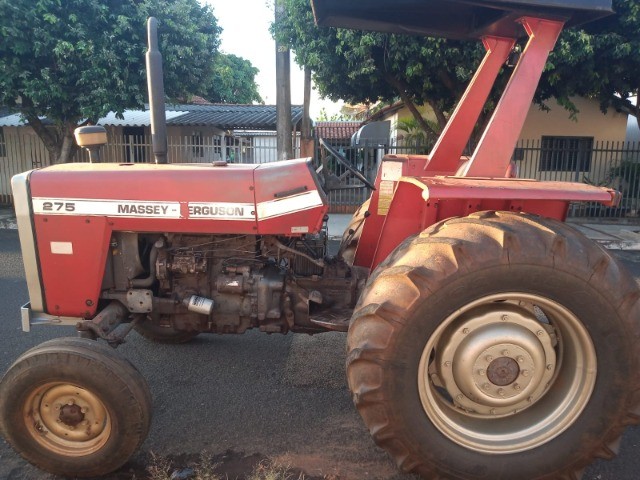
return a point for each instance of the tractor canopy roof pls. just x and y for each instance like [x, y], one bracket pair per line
[458, 19]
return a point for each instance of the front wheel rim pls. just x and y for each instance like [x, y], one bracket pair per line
[486, 373]
[67, 419]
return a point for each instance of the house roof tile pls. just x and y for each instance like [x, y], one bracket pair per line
[230, 117]
[223, 116]
[336, 130]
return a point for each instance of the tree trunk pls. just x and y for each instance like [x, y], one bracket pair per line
[68, 148]
[306, 140]
[58, 141]
[401, 88]
[440, 116]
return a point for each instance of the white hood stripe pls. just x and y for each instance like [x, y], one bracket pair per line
[171, 210]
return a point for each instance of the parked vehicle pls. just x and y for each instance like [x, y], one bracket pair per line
[486, 339]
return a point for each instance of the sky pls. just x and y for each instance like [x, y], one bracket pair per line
[245, 25]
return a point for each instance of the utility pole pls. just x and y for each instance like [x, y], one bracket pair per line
[283, 94]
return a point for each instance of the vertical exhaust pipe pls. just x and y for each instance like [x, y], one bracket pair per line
[155, 85]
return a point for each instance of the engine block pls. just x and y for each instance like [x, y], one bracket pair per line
[230, 283]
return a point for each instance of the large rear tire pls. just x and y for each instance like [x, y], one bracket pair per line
[497, 346]
[74, 407]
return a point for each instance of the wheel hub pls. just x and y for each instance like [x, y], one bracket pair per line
[496, 361]
[71, 415]
[507, 372]
[503, 371]
[68, 419]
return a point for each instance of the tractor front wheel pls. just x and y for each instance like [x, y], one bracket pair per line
[497, 346]
[74, 407]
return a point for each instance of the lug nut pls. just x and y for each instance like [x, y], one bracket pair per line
[516, 386]
[489, 358]
[492, 411]
[465, 330]
[447, 363]
[505, 353]
[549, 367]
[501, 392]
[525, 373]
[481, 372]
[505, 318]
[486, 386]
[520, 359]
[459, 397]
[539, 333]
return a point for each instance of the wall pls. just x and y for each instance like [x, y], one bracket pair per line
[607, 131]
[590, 122]
[22, 151]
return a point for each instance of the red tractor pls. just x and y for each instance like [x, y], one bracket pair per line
[486, 339]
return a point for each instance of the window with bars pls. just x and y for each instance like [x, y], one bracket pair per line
[566, 154]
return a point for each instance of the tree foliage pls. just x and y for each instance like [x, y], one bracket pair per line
[356, 66]
[75, 60]
[233, 81]
[600, 61]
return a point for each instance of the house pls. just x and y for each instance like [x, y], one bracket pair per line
[201, 133]
[551, 146]
[195, 133]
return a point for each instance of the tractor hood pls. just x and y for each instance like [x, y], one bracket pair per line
[280, 198]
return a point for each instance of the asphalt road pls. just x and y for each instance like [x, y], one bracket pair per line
[249, 396]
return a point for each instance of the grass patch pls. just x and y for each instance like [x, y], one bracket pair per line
[268, 470]
[161, 468]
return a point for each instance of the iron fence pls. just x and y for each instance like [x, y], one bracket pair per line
[23, 150]
[189, 149]
[575, 159]
[610, 164]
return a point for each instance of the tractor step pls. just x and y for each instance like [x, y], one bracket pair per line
[337, 319]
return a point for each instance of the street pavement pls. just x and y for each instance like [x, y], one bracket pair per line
[250, 396]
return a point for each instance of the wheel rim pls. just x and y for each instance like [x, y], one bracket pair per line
[67, 419]
[486, 374]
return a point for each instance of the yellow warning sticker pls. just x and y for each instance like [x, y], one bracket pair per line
[386, 194]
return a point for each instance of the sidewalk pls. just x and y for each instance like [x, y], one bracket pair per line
[610, 235]
[7, 218]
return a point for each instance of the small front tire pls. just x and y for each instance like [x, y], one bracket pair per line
[74, 407]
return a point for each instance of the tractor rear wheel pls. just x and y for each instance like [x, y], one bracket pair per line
[74, 407]
[497, 346]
